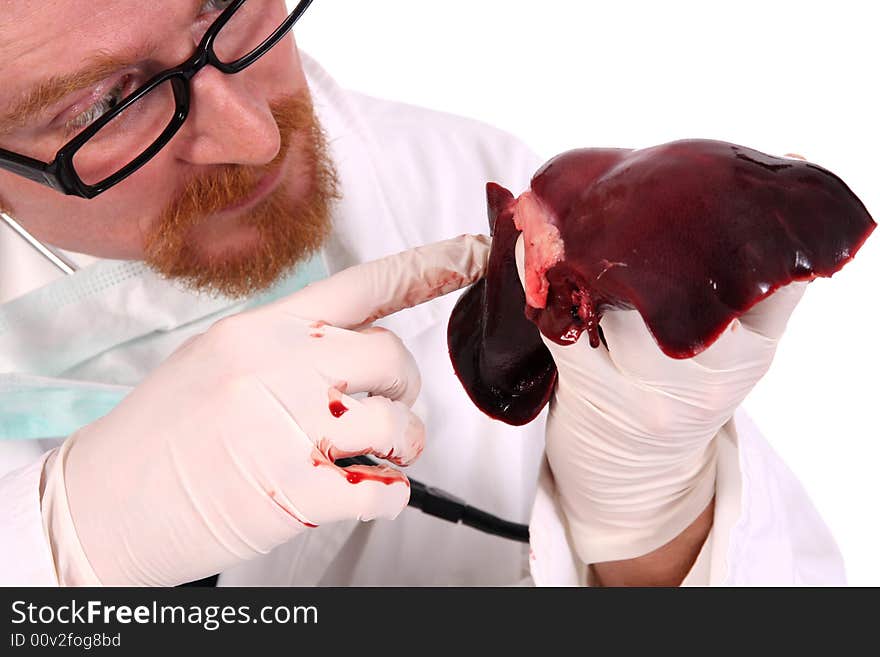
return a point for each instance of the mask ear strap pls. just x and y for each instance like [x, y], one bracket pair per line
[52, 255]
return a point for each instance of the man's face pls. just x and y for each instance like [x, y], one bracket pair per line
[242, 191]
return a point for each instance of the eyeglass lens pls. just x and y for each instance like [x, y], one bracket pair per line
[125, 137]
[134, 130]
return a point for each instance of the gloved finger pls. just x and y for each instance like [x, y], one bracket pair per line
[718, 377]
[375, 425]
[519, 252]
[636, 354]
[373, 491]
[302, 478]
[738, 354]
[362, 492]
[633, 349]
[364, 293]
[770, 317]
[374, 361]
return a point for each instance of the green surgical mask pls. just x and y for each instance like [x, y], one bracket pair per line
[37, 407]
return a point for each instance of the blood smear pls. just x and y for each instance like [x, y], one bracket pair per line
[358, 474]
[337, 408]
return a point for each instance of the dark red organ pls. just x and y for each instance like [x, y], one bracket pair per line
[691, 234]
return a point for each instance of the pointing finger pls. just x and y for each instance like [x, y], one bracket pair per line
[364, 293]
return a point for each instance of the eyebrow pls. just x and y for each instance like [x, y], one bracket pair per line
[54, 89]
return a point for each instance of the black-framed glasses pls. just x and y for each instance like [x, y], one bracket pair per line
[130, 134]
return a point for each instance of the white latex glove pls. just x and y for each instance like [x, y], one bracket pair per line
[630, 431]
[226, 450]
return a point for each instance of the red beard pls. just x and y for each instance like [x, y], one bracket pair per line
[290, 227]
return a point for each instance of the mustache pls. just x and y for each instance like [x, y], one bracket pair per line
[229, 184]
[291, 225]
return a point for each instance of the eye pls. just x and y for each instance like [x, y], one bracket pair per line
[99, 108]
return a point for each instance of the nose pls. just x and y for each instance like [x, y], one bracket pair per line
[229, 122]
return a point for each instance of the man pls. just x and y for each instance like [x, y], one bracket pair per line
[236, 170]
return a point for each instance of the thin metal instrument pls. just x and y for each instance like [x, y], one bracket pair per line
[54, 256]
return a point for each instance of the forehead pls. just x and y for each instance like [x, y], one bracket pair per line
[48, 37]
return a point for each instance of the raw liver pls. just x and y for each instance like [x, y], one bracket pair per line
[691, 234]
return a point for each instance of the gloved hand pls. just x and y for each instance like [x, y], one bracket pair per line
[630, 431]
[226, 450]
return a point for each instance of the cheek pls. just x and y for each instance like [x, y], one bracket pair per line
[109, 226]
[280, 71]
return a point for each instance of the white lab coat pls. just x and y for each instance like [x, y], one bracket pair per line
[409, 177]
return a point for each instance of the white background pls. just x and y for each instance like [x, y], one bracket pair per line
[777, 76]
